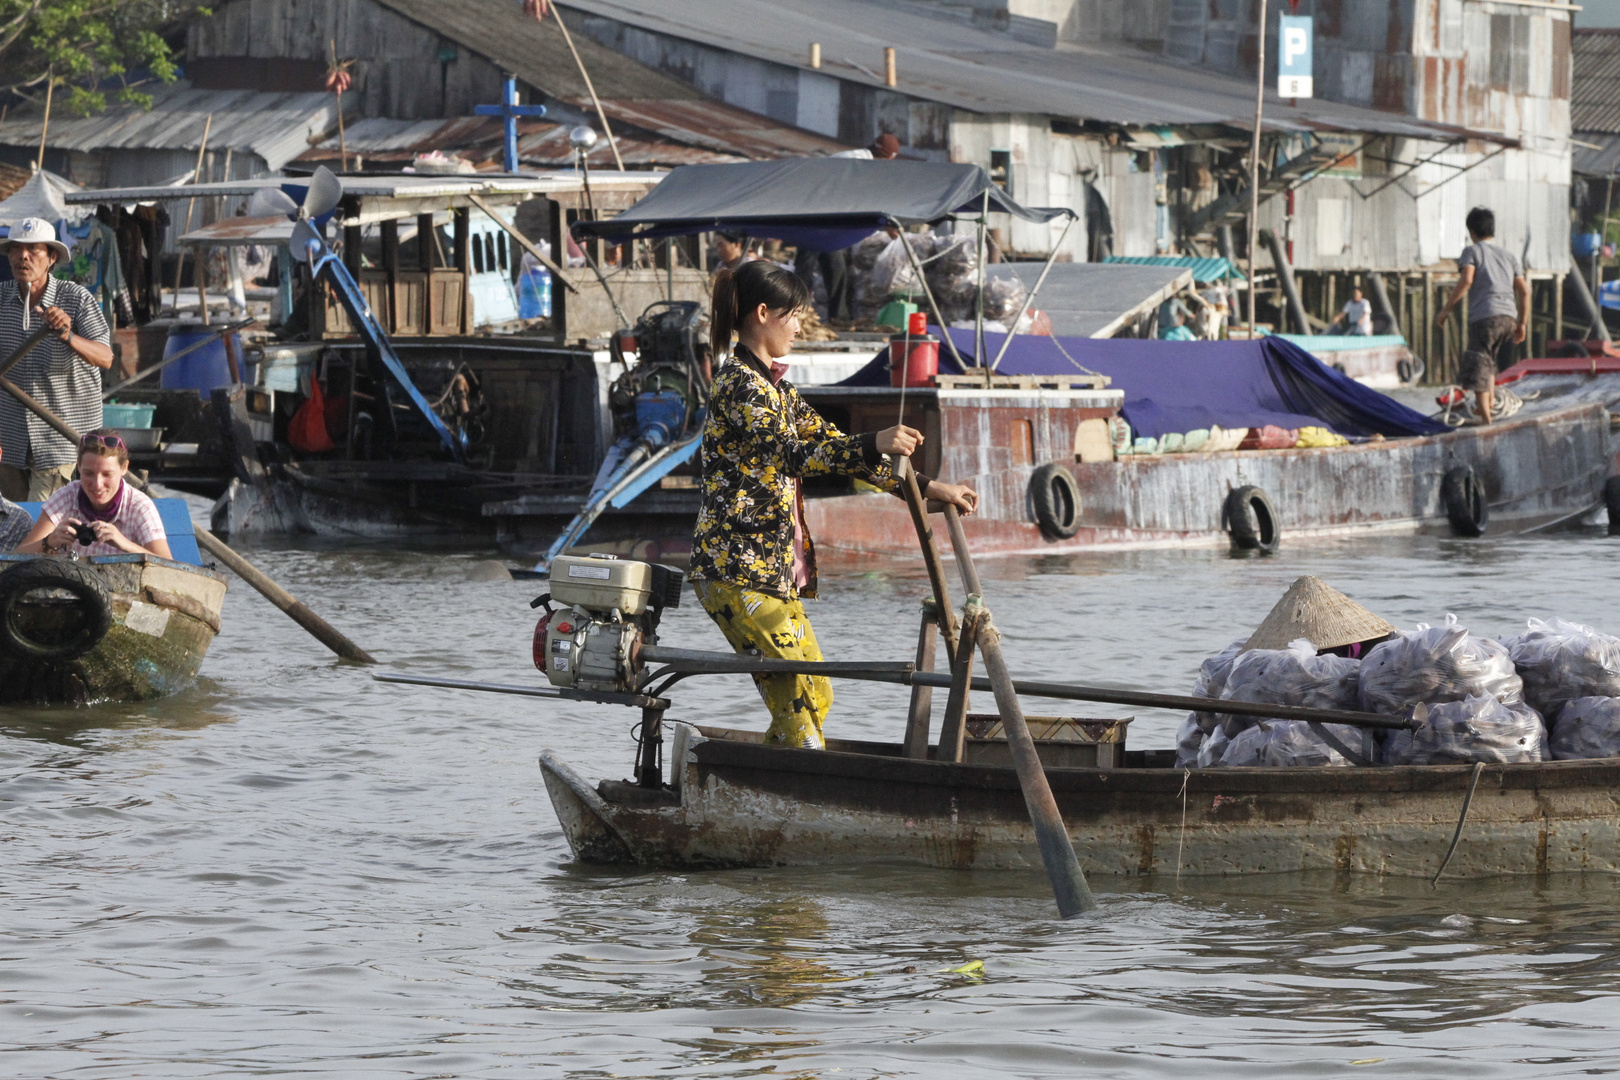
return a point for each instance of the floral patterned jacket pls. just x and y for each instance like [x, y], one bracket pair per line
[758, 439]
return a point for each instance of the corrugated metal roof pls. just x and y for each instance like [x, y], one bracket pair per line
[541, 144]
[950, 61]
[277, 127]
[1594, 101]
[1604, 161]
[1203, 269]
[694, 132]
[535, 51]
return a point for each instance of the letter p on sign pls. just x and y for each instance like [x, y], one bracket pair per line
[1294, 39]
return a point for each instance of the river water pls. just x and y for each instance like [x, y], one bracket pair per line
[292, 869]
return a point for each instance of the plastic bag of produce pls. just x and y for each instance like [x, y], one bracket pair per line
[1189, 740]
[1433, 664]
[1560, 661]
[1287, 744]
[1214, 749]
[1588, 727]
[1478, 728]
[1291, 676]
[1211, 681]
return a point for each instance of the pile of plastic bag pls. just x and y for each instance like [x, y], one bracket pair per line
[1478, 728]
[950, 263]
[1288, 744]
[1587, 727]
[1211, 681]
[1433, 664]
[1560, 661]
[1291, 676]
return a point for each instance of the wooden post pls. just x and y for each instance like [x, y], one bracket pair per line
[1427, 313]
[922, 697]
[1557, 308]
[953, 730]
[463, 258]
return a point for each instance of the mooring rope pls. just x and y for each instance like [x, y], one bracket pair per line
[1468, 800]
[1186, 775]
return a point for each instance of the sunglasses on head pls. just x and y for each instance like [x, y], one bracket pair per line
[110, 443]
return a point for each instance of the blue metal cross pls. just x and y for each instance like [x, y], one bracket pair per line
[510, 110]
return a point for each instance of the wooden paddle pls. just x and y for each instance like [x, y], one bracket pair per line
[323, 631]
[1057, 852]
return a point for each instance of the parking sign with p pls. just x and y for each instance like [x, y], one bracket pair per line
[1294, 40]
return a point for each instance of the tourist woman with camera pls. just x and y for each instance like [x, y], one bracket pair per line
[99, 513]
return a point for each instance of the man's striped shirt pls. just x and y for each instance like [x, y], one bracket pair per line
[53, 373]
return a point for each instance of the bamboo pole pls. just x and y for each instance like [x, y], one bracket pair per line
[180, 259]
[607, 129]
[1254, 159]
[322, 631]
[45, 127]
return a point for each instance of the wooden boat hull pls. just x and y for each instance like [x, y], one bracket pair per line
[1538, 470]
[164, 617]
[743, 804]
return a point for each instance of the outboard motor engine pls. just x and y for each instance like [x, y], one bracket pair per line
[607, 608]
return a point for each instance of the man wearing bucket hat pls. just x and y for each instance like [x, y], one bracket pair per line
[63, 372]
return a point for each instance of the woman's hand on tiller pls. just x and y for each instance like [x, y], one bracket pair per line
[960, 496]
[899, 439]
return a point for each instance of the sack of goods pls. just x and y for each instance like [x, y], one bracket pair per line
[1288, 743]
[1291, 676]
[1211, 681]
[1588, 727]
[1560, 661]
[1478, 728]
[1433, 664]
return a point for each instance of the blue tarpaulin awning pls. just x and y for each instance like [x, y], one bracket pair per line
[1181, 386]
[1203, 269]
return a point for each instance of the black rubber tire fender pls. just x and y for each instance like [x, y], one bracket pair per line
[82, 581]
[1056, 497]
[1463, 495]
[1611, 499]
[1251, 521]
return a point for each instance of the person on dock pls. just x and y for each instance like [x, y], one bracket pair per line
[752, 558]
[124, 521]
[1498, 307]
[62, 372]
[1356, 317]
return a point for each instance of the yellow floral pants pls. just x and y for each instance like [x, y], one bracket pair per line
[778, 629]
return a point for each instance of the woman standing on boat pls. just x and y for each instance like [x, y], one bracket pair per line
[752, 559]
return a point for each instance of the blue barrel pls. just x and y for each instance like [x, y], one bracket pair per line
[1585, 245]
[204, 369]
[534, 293]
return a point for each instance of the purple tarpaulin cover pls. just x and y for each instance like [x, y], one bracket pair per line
[1180, 386]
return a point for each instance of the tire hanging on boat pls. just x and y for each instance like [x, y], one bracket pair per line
[1056, 496]
[1611, 499]
[85, 586]
[1251, 521]
[1464, 497]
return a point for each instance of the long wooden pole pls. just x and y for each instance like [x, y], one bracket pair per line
[1057, 851]
[180, 259]
[528, 245]
[1254, 160]
[322, 630]
[930, 553]
[45, 127]
[607, 130]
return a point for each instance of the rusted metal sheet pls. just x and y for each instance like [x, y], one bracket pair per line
[740, 803]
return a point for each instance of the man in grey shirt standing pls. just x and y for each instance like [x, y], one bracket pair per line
[1498, 307]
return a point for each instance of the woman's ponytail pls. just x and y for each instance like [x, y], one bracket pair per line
[745, 289]
[723, 314]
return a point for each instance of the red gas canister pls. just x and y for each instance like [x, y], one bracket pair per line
[916, 367]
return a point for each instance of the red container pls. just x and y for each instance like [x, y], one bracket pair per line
[917, 368]
[917, 323]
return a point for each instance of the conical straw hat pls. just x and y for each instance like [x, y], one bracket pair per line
[1319, 613]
